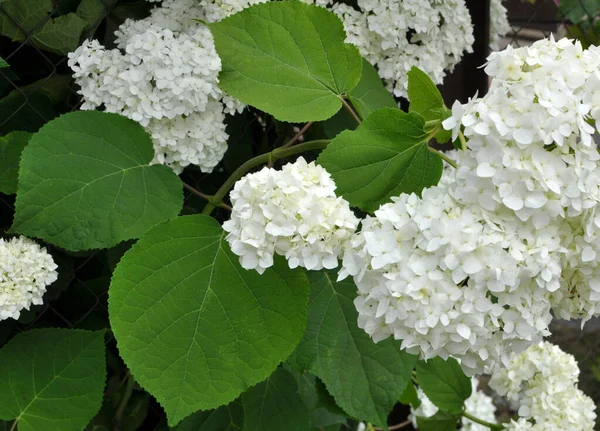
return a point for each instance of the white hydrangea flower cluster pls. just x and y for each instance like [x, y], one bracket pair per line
[396, 35]
[434, 273]
[533, 157]
[163, 75]
[25, 271]
[293, 212]
[478, 404]
[475, 268]
[543, 380]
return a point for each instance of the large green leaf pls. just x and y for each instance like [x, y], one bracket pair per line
[195, 328]
[370, 94]
[225, 418]
[386, 156]
[275, 405]
[365, 379]
[30, 20]
[85, 183]
[444, 383]
[52, 379]
[288, 59]
[11, 147]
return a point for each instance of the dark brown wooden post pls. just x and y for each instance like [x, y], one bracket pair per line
[468, 77]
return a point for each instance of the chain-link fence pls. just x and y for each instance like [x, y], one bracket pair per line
[38, 87]
[535, 19]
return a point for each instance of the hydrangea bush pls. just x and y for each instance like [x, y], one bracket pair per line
[329, 272]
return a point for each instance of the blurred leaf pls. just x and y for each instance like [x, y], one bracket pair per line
[11, 147]
[58, 35]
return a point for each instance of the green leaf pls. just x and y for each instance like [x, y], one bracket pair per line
[11, 147]
[92, 12]
[195, 328]
[410, 397]
[577, 11]
[370, 95]
[275, 405]
[444, 383]
[225, 418]
[288, 59]
[323, 410]
[424, 96]
[85, 183]
[386, 156]
[364, 378]
[426, 99]
[52, 379]
[3, 63]
[441, 421]
[59, 35]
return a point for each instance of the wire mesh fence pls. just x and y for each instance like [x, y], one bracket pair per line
[38, 87]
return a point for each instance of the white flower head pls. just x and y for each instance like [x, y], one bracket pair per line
[26, 269]
[294, 213]
[164, 75]
[543, 379]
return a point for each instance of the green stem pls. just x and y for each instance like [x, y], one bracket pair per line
[496, 427]
[14, 425]
[350, 109]
[431, 124]
[444, 157]
[126, 397]
[276, 154]
[463, 141]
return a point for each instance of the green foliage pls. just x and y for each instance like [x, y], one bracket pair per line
[3, 63]
[410, 397]
[369, 94]
[275, 405]
[288, 59]
[85, 183]
[52, 379]
[444, 383]
[11, 147]
[579, 10]
[193, 326]
[322, 408]
[220, 348]
[441, 421]
[387, 155]
[426, 99]
[59, 35]
[225, 418]
[364, 378]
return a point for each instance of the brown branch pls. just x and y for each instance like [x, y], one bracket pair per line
[206, 197]
[396, 427]
[298, 135]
